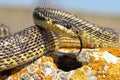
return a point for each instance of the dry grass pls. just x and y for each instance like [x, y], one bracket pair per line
[18, 19]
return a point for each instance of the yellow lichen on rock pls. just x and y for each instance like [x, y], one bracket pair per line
[78, 75]
[113, 72]
[33, 71]
[114, 51]
[96, 65]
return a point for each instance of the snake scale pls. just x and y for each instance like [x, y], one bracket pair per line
[33, 42]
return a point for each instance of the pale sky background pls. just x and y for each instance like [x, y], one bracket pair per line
[110, 7]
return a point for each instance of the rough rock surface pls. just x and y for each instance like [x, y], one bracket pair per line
[90, 64]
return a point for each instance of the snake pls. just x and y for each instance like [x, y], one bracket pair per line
[53, 29]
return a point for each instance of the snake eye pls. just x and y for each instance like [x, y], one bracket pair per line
[54, 22]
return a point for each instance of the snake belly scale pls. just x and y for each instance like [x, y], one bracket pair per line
[33, 42]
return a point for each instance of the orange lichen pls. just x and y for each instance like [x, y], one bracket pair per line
[47, 59]
[114, 71]
[78, 75]
[84, 68]
[16, 73]
[114, 51]
[97, 66]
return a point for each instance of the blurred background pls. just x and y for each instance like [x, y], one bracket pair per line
[17, 14]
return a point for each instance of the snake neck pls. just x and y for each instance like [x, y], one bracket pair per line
[51, 41]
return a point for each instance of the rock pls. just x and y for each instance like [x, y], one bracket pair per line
[4, 30]
[90, 64]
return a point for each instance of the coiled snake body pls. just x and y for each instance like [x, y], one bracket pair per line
[32, 42]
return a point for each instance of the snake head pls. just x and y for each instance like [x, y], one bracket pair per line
[55, 20]
[39, 14]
